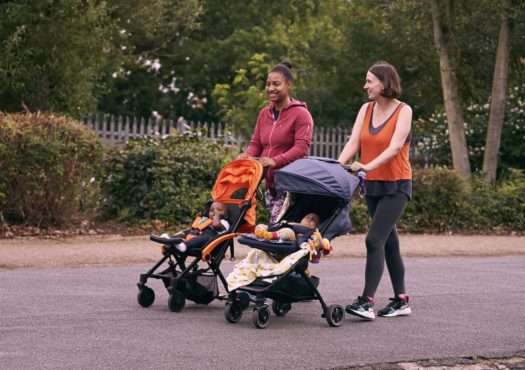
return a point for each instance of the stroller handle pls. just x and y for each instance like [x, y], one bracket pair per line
[361, 173]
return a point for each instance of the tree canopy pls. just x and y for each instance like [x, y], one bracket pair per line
[206, 59]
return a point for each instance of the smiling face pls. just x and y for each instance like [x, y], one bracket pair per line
[373, 86]
[218, 209]
[278, 88]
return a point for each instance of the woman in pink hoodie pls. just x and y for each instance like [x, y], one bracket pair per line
[282, 134]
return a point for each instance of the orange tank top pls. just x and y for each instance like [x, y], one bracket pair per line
[374, 141]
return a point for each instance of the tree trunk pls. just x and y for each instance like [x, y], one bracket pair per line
[497, 105]
[441, 19]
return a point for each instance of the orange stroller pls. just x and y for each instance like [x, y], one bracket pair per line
[236, 186]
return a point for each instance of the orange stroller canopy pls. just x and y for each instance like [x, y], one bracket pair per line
[237, 182]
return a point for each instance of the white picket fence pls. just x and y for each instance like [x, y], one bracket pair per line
[117, 130]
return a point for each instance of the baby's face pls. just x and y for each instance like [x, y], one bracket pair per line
[218, 209]
[311, 220]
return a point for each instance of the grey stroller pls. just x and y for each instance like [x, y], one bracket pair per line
[318, 185]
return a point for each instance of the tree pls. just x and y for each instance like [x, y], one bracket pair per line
[499, 86]
[60, 55]
[245, 97]
[442, 14]
[53, 54]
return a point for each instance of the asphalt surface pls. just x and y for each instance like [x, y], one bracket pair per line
[88, 318]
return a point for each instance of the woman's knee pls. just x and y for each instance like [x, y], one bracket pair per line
[374, 243]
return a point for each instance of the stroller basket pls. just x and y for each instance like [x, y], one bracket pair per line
[199, 287]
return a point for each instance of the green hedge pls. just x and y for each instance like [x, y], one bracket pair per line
[50, 169]
[444, 202]
[47, 169]
[162, 178]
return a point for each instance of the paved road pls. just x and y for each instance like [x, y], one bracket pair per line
[88, 318]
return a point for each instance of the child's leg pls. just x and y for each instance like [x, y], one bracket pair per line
[197, 242]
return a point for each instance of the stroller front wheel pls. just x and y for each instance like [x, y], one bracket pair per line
[233, 312]
[281, 308]
[146, 296]
[261, 317]
[335, 315]
[176, 301]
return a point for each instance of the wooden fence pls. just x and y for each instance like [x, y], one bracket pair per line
[117, 130]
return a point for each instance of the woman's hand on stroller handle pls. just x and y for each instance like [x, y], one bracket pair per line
[265, 161]
[355, 167]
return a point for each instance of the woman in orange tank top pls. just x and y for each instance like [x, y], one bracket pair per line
[381, 134]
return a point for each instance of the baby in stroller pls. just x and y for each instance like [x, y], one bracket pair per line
[190, 266]
[280, 232]
[215, 224]
[260, 263]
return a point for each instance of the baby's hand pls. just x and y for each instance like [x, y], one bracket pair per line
[216, 223]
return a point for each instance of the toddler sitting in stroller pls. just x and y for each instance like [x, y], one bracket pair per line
[215, 224]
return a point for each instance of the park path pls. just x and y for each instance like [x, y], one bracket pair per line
[117, 250]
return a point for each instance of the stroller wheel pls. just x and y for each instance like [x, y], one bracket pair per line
[280, 308]
[176, 301]
[233, 312]
[146, 296]
[261, 317]
[335, 315]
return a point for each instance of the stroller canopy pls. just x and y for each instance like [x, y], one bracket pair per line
[237, 182]
[317, 175]
[320, 185]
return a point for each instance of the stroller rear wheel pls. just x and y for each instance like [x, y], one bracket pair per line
[233, 312]
[261, 317]
[146, 296]
[176, 301]
[281, 308]
[335, 315]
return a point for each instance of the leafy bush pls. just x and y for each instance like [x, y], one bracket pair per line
[439, 203]
[359, 214]
[444, 202]
[47, 165]
[163, 178]
[503, 204]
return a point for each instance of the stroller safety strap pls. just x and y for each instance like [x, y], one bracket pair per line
[199, 224]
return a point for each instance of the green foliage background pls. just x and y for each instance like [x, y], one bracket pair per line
[49, 169]
[162, 178]
[207, 60]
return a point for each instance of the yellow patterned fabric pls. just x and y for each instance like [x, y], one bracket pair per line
[261, 264]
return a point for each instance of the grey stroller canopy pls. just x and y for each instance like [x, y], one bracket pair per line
[319, 185]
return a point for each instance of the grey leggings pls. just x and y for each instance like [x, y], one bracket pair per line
[382, 243]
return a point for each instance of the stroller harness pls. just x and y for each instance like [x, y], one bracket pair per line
[199, 224]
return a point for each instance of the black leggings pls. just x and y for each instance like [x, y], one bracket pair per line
[382, 243]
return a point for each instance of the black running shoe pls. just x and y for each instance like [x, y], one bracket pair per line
[396, 307]
[362, 307]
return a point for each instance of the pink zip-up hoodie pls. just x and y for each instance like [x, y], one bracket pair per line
[284, 140]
